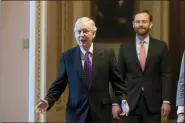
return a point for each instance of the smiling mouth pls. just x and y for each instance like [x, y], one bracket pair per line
[83, 41]
[141, 30]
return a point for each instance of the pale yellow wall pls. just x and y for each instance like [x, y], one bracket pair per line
[59, 38]
[14, 61]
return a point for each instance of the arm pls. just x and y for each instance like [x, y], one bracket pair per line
[165, 75]
[59, 85]
[121, 65]
[180, 87]
[118, 85]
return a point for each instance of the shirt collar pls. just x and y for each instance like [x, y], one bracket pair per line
[90, 49]
[146, 40]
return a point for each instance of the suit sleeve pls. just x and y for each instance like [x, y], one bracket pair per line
[165, 74]
[180, 86]
[59, 85]
[121, 63]
[118, 84]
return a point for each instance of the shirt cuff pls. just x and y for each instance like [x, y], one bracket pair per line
[180, 110]
[123, 101]
[166, 102]
[115, 104]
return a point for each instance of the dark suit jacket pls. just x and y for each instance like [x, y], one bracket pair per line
[81, 98]
[155, 78]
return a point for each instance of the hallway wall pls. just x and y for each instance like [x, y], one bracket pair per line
[14, 27]
[14, 60]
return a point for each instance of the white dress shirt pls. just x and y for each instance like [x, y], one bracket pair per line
[83, 54]
[138, 45]
[146, 46]
[180, 109]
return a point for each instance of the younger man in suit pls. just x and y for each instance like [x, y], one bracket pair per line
[144, 65]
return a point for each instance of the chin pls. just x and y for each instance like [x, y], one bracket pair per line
[84, 44]
[142, 33]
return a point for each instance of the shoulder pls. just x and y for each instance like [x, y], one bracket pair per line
[69, 52]
[161, 45]
[157, 41]
[127, 44]
[102, 48]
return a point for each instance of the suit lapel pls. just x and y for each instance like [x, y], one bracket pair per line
[135, 55]
[78, 65]
[150, 52]
[97, 54]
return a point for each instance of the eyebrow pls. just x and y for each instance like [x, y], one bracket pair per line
[141, 20]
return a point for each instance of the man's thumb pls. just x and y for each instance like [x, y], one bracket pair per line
[43, 101]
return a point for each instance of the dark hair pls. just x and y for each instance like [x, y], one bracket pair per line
[143, 11]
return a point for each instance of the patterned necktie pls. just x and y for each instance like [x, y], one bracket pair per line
[142, 57]
[87, 69]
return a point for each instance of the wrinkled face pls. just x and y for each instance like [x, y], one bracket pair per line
[142, 24]
[84, 34]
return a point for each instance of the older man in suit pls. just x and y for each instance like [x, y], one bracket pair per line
[87, 69]
[180, 92]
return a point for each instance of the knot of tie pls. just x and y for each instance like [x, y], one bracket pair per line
[142, 43]
[87, 53]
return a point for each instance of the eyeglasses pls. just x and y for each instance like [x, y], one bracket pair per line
[85, 31]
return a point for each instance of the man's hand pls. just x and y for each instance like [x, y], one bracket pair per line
[116, 110]
[165, 109]
[125, 108]
[180, 118]
[42, 106]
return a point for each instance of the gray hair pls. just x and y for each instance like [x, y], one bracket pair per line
[85, 19]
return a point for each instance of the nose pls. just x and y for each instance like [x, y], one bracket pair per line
[140, 24]
[81, 33]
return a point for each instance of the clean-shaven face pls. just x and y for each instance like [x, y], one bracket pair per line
[84, 34]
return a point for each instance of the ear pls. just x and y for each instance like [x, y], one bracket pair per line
[94, 34]
[133, 24]
[151, 24]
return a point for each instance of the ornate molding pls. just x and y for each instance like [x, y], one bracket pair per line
[40, 53]
[38, 56]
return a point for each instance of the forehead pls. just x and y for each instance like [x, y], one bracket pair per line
[142, 16]
[83, 25]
